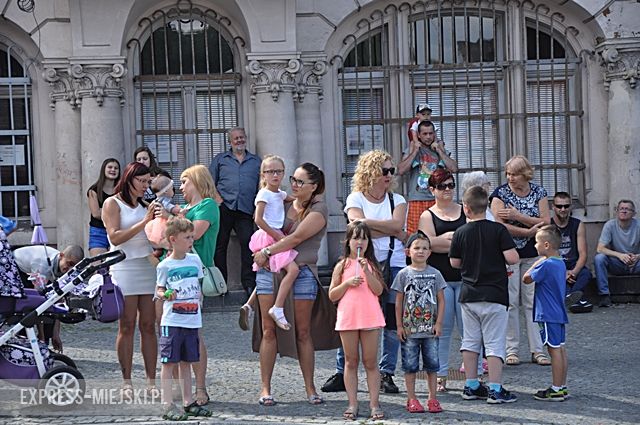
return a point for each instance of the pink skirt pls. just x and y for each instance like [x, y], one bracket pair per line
[261, 239]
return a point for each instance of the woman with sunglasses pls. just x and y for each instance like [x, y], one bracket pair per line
[439, 222]
[124, 217]
[305, 224]
[370, 202]
[523, 208]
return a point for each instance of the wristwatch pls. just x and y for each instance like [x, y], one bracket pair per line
[266, 251]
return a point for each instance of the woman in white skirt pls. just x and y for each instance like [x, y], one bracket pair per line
[124, 218]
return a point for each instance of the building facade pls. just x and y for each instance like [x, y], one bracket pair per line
[319, 81]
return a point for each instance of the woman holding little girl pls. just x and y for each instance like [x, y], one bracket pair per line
[305, 224]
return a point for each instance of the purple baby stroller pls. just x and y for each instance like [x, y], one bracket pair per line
[28, 362]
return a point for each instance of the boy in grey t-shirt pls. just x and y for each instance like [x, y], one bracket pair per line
[419, 311]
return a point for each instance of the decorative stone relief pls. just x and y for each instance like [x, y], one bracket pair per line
[621, 62]
[99, 81]
[78, 81]
[273, 76]
[310, 80]
[62, 86]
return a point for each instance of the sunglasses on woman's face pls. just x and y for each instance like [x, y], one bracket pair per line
[443, 186]
[387, 171]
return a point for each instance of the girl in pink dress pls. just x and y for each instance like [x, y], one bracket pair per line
[356, 284]
[269, 217]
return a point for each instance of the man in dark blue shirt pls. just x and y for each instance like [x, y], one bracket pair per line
[236, 174]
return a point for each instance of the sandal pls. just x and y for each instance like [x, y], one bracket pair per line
[194, 409]
[202, 401]
[442, 385]
[434, 406]
[351, 413]
[414, 406]
[512, 359]
[127, 391]
[266, 400]
[152, 392]
[377, 413]
[278, 317]
[171, 413]
[245, 314]
[315, 399]
[541, 359]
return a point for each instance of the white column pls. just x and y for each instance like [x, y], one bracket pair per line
[620, 57]
[309, 130]
[100, 98]
[70, 228]
[272, 90]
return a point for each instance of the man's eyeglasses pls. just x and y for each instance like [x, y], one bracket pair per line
[143, 181]
[443, 186]
[274, 172]
[297, 182]
[386, 171]
[562, 206]
[625, 209]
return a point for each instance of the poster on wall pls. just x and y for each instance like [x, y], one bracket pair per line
[364, 138]
[11, 155]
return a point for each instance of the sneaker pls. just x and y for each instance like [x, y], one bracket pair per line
[605, 301]
[550, 395]
[334, 384]
[480, 393]
[581, 307]
[572, 298]
[566, 392]
[502, 396]
[387, 385]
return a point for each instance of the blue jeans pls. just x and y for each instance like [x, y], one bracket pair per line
[390, 341]
[582, 280]
[605, 265]
[452, 315]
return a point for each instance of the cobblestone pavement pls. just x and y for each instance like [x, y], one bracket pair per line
[603, 351]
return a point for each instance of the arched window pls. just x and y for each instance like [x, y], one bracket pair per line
[186, 87]
[16, 172]
[496, 89]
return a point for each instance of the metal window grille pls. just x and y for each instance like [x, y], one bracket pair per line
[489, 102]
[186, 87]
[16, 167]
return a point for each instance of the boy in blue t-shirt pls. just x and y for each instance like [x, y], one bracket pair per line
[549, 274]
[178, 285]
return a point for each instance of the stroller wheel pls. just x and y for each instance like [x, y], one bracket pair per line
[62, 387]
[62, 360]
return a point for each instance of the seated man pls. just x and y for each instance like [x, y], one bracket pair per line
[50, 264]
[573, 249]
[618, 248]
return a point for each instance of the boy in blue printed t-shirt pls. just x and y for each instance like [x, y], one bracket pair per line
[549, 274]
[178, 285]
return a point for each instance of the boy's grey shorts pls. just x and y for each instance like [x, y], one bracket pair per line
[484, 321]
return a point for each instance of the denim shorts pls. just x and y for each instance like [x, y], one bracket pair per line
[411, 350]
[98, 238]
[304, 288]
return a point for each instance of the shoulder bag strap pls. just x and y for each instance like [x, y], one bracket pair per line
[392, 239]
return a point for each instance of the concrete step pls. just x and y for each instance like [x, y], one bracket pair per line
[623, 289]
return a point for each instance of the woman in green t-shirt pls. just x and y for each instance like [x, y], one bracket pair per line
[199, 191]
